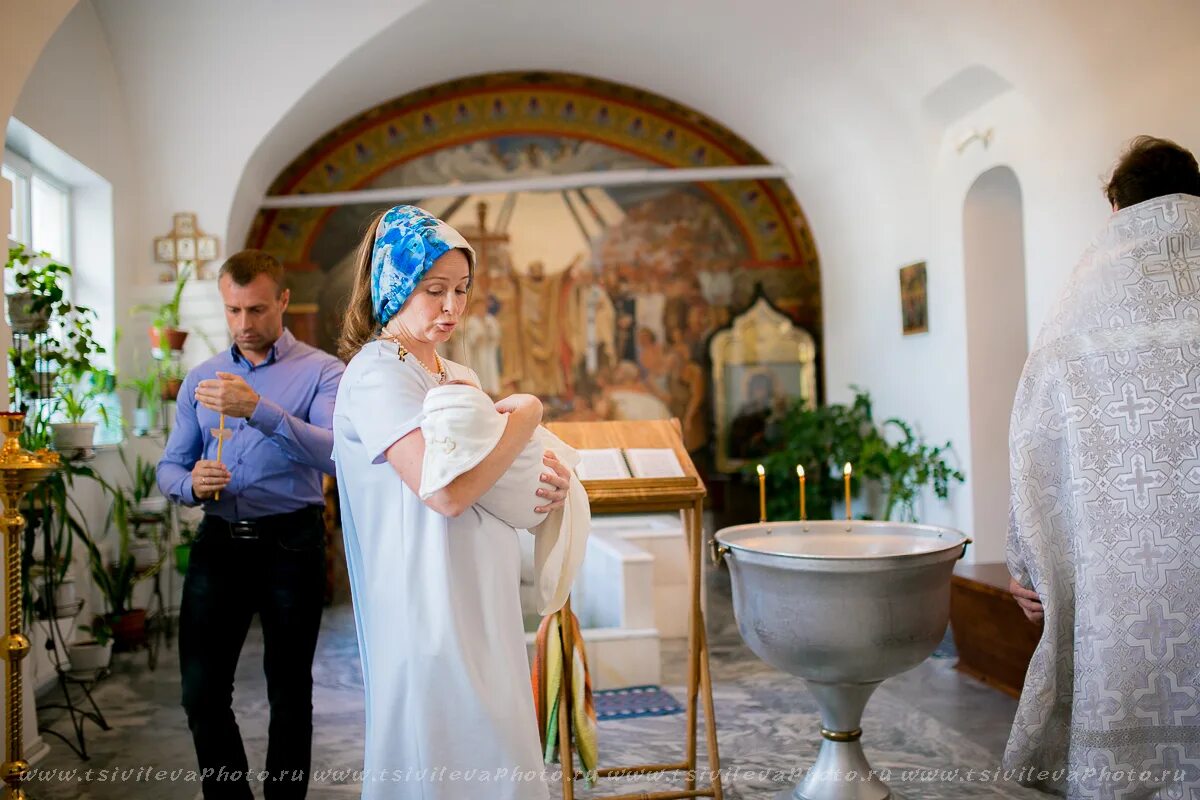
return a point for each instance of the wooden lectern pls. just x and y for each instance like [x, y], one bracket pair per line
[626, 495]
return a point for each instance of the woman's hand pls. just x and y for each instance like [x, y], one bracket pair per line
[554, 485]
[1028, 600]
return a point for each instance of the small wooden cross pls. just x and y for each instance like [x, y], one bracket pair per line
[222, 435]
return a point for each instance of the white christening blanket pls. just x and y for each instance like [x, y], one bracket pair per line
[461, 426]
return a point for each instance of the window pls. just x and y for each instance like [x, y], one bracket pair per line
[41, 208]
[41, 217]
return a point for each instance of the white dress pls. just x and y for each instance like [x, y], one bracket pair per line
[449, 708]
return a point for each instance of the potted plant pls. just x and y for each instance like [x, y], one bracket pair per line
[117, 579]
[183, 550]
[165, 333]
[823, 439]
[95, 651]
[36, 278]
[171, 381]
[146, 505]
[77, 434]
[148, 402]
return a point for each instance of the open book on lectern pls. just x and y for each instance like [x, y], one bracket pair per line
[611, 463]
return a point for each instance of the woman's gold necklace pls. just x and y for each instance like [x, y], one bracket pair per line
[402, 351]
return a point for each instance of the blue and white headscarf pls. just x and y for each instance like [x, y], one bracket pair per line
[407, 242]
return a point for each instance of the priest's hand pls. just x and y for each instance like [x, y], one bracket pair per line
[1028, 600]
[554, 484]
[227, 394]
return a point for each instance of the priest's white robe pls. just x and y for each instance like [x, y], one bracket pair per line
[1105, 516]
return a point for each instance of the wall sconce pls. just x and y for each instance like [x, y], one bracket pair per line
[973, 135]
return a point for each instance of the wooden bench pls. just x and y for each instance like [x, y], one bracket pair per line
[994, 639]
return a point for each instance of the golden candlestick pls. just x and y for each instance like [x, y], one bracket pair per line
[800, 475]
[20, 471]
[846, 470]
[762, 494]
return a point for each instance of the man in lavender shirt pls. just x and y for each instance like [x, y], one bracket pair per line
[261, 546]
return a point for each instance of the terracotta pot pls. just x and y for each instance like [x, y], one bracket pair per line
[167, 338]
[171, 387]
[129, 629]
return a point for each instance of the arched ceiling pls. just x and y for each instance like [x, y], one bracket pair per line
[835, 91]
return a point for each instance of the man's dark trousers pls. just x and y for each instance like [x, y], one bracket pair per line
[275, 568]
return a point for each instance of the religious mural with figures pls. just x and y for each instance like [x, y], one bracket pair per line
[601, 300]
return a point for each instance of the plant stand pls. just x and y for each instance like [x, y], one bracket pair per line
[77, 708]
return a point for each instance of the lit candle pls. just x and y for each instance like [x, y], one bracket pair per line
[762, 494]
[800, 475]
[846, 470]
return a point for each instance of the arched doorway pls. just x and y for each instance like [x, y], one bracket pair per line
[997, 345]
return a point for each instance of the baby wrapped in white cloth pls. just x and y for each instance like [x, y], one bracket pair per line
[461, 426]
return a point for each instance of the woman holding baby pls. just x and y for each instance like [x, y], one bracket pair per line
[435, 581]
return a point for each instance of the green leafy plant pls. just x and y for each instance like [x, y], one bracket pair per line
[142, 475]
[823, 439]
[76, 403]
[63, 367]
[146, 389]
[117, 579]
[40, 276]
[166, 315]
[100, 630]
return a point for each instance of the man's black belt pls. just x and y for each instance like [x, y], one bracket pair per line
[256, 528]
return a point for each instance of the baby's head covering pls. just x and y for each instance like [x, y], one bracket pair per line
[407, 242]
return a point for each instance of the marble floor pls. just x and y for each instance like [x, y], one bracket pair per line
[931, 718]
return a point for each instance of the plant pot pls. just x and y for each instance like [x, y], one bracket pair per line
[167, 339]
[143, 420]
[154, 506]
[129, 629]
[89, 655]
[171, 387]
[73, 436]
[183, 554]
[22, 316]
[65, 594]
[145, 554]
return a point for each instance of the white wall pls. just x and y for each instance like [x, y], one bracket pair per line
[834, 92]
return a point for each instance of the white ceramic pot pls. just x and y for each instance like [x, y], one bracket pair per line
[145, 554]
[65, 594]
[143, 420]
[73, 436]
[156, 504]
[89, 655]
[23, 318]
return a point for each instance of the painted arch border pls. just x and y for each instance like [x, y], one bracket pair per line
[547, 103]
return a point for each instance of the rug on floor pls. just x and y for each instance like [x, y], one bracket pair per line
[634, 701]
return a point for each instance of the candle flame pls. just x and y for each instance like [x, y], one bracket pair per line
[761, 471]
[799, 471]
[846, 470]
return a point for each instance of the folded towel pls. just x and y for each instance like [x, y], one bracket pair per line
[547, 681]
[461, 426]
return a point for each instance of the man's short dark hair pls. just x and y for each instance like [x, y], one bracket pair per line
[1149, 168]
[247, 265]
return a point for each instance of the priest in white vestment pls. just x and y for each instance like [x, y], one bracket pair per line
[1105, 518]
